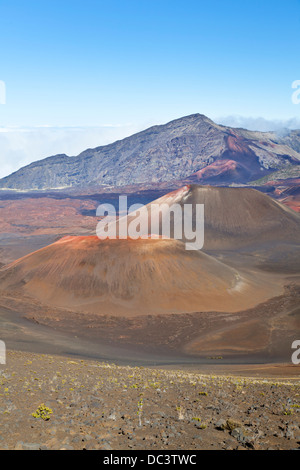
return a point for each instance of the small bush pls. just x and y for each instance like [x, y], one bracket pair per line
[42, 412]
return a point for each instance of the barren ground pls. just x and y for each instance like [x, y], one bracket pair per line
[104, 406]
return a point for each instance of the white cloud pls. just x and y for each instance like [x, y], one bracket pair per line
[20, 146]
[259, 123]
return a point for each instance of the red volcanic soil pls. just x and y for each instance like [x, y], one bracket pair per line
[238, 163]
[290, 196]
[287, 192]
[30, 221]
[155, 292]
[217, 168]
[46, 215]
[237, 144]
[292, 202]
[286, 182]
[129, 277]
[222, 171]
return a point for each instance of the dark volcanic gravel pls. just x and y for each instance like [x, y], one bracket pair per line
[93, 405]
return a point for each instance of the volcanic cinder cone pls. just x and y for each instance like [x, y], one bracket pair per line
[233, 217]
[128, 277]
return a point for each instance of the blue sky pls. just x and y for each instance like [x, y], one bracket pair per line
[131, 64]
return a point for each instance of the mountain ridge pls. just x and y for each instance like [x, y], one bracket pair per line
[177, 150]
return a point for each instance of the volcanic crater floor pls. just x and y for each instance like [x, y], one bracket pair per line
[55, 402]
